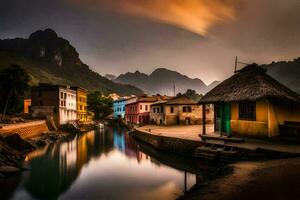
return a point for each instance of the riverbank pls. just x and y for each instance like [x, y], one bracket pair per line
[14, 146]
[275, 179]
[166, 138]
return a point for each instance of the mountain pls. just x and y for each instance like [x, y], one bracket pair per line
[286, 72]
[161, 81]
[110, 76]
[52, 59]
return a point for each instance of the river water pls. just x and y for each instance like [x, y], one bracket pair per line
[106, 164]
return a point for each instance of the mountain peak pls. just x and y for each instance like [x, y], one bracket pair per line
[44, 34]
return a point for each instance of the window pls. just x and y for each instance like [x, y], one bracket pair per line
[146, 107]
[61, 95]
[124, 109]
[162, 109]
[172, 109]
[184, 109]
[247, 110]
[153, 110]
[141, 107]
[189, 109]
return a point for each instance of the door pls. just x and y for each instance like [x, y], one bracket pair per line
[226, 115]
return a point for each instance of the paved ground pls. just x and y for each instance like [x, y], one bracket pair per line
[192, 133]
[276, 180]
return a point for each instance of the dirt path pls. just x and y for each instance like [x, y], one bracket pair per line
[276, 179]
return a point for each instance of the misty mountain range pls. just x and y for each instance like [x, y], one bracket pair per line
[162, 80]
[52, 59]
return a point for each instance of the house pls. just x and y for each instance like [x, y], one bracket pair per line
[27, 104]
[81, 97]
[119, 108]
[251, 103]
[137, 109]
[114, 96]
[54, 101]
[179, 110]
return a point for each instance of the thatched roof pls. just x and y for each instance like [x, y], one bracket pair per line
[250, 83]
[181, 100]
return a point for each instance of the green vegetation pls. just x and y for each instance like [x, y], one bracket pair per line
[192, 94]
[14, 83]
[100, 105]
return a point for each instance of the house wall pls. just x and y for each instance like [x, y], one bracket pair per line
[178, 117]
[138, 112]
[45, 103]
[269, 116]
[119, 108]
[157, 117]
[67, 105]
[259, 127]
[81, 105]
[27, 104]
[279, 113]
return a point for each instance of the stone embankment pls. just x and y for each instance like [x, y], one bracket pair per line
[188, 147]
[170, 144]
[27, 129]
[19, 139]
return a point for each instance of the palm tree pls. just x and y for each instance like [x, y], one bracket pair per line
[14, 82]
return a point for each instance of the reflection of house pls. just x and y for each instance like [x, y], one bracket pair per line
[119, 108]
[138, 111]
[54, 101]
[252, 103]
[27, 104]
[81, 95]
[179, 110]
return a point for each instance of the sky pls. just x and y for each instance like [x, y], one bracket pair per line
[198, 38]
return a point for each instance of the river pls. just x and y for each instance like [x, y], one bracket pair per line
[106, 164]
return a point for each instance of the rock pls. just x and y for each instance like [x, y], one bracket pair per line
[2, 175]
[9, 170]
[16, 142]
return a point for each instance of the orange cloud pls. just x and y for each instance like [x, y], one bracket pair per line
[193, 15]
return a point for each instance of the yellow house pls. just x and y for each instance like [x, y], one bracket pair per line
[251, 103]
[81, 94]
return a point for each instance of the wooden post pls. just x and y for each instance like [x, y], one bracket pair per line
[204, 119]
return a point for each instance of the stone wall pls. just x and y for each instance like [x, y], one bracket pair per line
[26, 130]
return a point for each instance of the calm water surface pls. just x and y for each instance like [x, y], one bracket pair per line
[101, 165]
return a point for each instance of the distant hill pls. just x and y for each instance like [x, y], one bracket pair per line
[52, 59]
[286, 72]
[161, 81]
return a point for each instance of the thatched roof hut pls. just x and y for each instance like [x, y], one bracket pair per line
[250, 83]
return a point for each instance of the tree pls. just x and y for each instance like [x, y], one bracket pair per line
[14, 82]
[193, 94]
[100, 105]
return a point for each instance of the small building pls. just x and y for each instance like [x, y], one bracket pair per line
[137, 109]
[179, 110]
[251, 103]
[81, 96]
[119, 108]
[55, 101]
[27, 104]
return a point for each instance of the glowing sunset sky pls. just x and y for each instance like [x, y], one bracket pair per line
[199, 38]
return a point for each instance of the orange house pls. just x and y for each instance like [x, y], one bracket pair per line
[27, 104]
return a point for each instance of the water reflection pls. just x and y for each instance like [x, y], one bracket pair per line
[105, 165]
